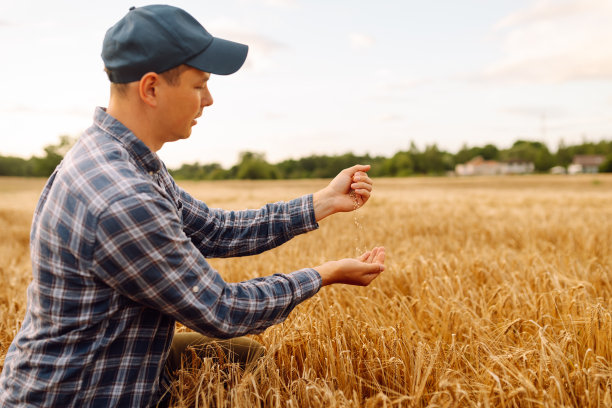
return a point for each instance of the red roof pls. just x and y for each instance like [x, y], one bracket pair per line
[479, 161]
[589, 159]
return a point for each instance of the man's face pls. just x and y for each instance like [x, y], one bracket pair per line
[182, 103]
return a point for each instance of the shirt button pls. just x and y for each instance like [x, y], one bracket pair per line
[195, 289]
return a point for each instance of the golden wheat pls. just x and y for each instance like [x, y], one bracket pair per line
[497, 293]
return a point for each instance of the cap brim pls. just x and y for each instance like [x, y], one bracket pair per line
[221, 57]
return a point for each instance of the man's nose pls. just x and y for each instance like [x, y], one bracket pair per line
[207, 99]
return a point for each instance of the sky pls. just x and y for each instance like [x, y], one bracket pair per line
[335, 76]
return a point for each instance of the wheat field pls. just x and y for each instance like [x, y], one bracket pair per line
[497, 293]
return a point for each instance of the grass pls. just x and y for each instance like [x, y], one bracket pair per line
[497, 293]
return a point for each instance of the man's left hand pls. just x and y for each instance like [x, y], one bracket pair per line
[349, 190]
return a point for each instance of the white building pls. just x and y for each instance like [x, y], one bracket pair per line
[586, 163]
[558, 170]
[480, 167]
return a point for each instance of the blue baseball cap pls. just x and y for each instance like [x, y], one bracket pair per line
[157, 38]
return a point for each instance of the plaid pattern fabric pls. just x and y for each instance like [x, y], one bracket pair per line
[118, 255]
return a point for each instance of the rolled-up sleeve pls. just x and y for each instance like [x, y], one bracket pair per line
[221, 233]
[143, 253]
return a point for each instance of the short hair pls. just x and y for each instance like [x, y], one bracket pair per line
[171, 76]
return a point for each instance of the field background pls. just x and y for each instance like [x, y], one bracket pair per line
[497, 293]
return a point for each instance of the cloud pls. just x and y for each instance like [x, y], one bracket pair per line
[400, 85]
[548, 10]
[553, 41]
[280, 3]
[361, 41]
[391, 81]
[390, 117]
[275, 115]
[388, 85]
[261, 48]
[393, 92]
[274, 3]
[52, 111]
[535, 112]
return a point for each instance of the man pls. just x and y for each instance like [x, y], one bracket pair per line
[118, 249]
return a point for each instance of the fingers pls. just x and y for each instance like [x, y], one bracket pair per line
[376, 255]
[362, 196]
[358, 167]
[362, 188]
[358, 174]
[351, 271]
[373, 271]
[362, 185]
[379, 257]
[364, 257]
[362, 178]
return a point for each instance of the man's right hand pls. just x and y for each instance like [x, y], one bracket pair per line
[354, 271]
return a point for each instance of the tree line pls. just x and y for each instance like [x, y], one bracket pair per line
[253, 165]
[429, 161]
[37, 166]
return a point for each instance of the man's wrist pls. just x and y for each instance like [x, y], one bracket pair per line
[327, 272]
[323, 205]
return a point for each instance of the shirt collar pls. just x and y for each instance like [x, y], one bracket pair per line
[136, 147]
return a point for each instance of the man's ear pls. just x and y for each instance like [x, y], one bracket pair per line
[147, 88]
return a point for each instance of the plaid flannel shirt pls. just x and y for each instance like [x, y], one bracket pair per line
[118, 255]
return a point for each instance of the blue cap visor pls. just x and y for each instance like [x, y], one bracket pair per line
[221, 57]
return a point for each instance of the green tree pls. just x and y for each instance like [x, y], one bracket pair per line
[606, 166]
[253, 166]
[432, 160]
[535, 152]
[564, 155]
[14, 166]
[197, 171]
[44, 166]
[489, 152]
[400, 165]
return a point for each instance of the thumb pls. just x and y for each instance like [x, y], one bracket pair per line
[372, 271]
[359, 167]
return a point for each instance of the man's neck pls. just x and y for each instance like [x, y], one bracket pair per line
[135, 119]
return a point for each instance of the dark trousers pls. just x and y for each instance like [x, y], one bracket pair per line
[241, 350]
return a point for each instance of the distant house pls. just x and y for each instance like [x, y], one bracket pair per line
[558, 170]
[518, 167]
[586, 163]
[481, 167]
